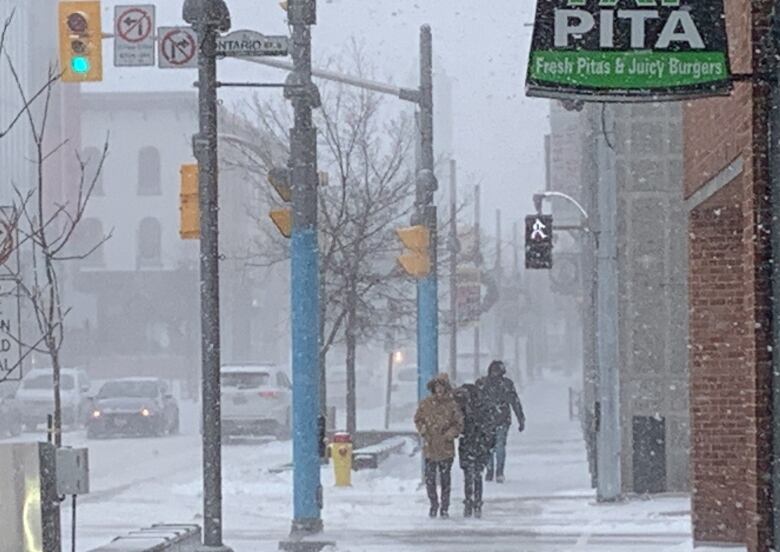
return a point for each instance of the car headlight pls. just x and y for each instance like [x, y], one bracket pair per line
[145, 412]
[96, 413]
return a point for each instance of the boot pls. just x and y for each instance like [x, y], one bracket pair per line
[500, 478]
[433, 511]
[444, 514]
[478, 511]
[468, 509]
[489, 475]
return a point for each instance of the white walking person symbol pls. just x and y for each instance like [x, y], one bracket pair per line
[537, 232]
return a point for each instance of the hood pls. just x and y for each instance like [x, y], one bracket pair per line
[442, 379]
[125, 403]
[496, 369]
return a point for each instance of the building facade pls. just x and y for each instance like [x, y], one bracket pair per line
[137, 295]
[727, 197]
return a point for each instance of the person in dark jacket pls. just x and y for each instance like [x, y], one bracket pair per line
[500, 393]
[475, 445]
[439, 421]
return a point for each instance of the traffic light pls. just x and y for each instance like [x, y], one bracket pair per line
[283, 220]
[189, 208]
[416, 260]
[81, 41]
[279, 178]
[538, 241]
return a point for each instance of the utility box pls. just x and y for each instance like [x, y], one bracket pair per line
[29, 506]
[72, 471]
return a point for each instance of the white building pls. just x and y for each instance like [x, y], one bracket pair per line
[137, 295]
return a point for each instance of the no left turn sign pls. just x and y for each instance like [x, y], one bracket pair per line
[178, 48]
[134, 24]
[134, 36]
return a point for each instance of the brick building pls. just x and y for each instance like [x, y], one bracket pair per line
[726, 190]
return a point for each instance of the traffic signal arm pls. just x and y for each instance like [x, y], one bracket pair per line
[81, 40]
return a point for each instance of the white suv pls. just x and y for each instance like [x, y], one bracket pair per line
[256, 400]
[36, 397]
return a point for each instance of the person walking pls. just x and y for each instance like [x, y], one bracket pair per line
[439, 421]
[474, 446]
[500, 393]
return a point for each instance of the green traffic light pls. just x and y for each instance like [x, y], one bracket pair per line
[79, 64]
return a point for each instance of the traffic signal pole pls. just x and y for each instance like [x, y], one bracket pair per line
[305, 285]
[608, 392]
[208, 18]
[425, 213]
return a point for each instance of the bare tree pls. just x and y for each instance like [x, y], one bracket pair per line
[368, 153]
[46, 226]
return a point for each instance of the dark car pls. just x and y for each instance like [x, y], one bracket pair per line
[133, 406]
[10, 411]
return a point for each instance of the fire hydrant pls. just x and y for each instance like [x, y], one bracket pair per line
[341, 453]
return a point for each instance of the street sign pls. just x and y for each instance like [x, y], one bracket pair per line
[10, 331]
[538, 241]
[619, 50]
[178, 48]
[245, 43]
[134, 36]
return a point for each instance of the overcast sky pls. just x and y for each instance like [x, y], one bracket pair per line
[483, 47]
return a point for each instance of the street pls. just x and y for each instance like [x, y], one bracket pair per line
[545, 505]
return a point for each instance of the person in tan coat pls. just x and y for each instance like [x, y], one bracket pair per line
[439, 421]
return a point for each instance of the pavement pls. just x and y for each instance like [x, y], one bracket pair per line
[545, 505]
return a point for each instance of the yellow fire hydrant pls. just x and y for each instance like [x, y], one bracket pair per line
[341, 454]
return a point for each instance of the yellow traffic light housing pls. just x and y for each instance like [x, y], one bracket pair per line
[81, 40]
[416, 259]
[283, 220]
[189, 208]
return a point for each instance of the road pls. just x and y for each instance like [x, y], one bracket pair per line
[546, 504]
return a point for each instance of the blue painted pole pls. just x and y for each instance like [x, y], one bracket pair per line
[425, 213]
[307, 489]
[306, 380]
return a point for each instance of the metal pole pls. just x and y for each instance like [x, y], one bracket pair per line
[208, 18]
[307, 490]
[389, 392]
[425, 213]
[608, 438]
[453, 272]
[499, 335]
[516, 276]
[774, 160]
[478, 255]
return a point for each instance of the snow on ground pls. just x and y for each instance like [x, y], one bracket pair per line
[545, 505]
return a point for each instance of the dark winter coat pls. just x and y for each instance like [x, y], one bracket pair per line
[499, 392]
[439, 421]
[479, 436]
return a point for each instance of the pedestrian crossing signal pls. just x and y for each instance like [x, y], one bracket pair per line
[538, 241]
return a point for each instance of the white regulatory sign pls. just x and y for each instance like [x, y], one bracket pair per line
[10, 336]
[134, 36]
[178, 48]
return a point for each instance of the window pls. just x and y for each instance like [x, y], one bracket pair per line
[149, 172]
[245, 380]
[149, 242]
[91, 159]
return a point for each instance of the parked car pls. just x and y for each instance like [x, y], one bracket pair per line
[10, 413]
[133, 406]
[256, 400]
[36, 397]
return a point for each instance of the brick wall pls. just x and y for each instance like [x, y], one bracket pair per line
[730, 323]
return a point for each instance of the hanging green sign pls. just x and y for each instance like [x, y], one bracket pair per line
[623, 50]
